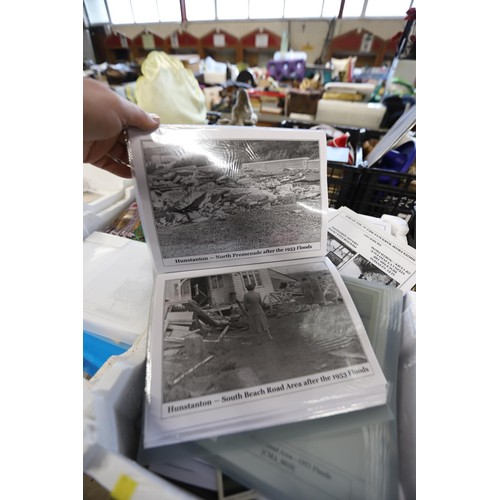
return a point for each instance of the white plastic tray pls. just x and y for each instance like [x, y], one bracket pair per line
[105, 196]
[117, 287]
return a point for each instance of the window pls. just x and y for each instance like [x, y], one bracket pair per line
[232, 9]
[387, 8]
[251, 277]
[311, 8]
[200, 10]
[132, 11]
[145, 11]
[169, 11]
[353, 8]
[331, 8]
[185, 288]
[217, 281]
[264, 9]
[96, 11]
[120, 11]
[153, 11]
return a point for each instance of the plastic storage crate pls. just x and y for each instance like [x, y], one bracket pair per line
[375, 192]
[105, 195]
[117, 287]
[370, 190]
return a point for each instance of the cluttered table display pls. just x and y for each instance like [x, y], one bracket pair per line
[251, 325]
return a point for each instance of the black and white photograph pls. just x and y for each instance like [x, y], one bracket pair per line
[355, 265]
[218, 195]
[363, 269]
[241, 347]
[254, 327]
[251, 325]
[338, 252]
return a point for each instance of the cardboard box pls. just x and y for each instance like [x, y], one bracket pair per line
[190, 61]
[303, 101]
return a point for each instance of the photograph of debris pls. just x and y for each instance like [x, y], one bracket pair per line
[363, 269]
[337, 252]
[220, 195]
[224, 332]
[356, 266]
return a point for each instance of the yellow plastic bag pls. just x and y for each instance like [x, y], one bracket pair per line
[170, 90]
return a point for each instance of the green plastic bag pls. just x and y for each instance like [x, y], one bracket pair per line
[169, 90]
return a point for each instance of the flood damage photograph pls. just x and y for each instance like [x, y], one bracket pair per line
[223, 332]
[354, 265]
[223, 195]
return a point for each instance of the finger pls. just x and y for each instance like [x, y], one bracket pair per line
[117, 161]
[109, 155]
[111, 165]
[134, 116]
[118, 169]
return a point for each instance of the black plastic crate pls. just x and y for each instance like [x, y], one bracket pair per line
[374, 192]
[383, 191]
[371, 191]
[344, 178]
[368, 191]
[343, 183]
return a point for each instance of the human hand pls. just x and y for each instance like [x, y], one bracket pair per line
[105, 114]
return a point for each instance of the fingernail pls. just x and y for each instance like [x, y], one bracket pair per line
[155, 118]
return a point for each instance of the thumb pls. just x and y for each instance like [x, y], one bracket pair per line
[134, 116]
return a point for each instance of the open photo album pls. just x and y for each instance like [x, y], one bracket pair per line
[251, 325]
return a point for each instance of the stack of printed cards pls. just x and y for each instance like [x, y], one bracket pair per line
[251, 325]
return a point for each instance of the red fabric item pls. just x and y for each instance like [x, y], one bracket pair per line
[339, 142]
[342, 141]
[411, 14]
